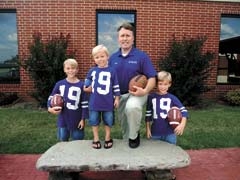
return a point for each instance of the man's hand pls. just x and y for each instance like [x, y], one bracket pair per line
[139, 91]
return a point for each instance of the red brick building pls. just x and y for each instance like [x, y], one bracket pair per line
[156, 22]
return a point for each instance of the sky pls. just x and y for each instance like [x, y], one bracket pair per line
[230, 27]
[107, 31]
[8, 36]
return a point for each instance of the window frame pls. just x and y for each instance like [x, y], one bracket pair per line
[224, 58]
[13, 74]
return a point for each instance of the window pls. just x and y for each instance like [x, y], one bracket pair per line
[107, 24]
[9, 67]
[229, 50]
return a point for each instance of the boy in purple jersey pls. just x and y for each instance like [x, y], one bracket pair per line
[129, 62]
[71, 118]
[158, 105]
[104, 95]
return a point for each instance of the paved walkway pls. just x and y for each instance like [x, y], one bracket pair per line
[207, 164]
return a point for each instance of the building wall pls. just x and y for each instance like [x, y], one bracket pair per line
[157, 22]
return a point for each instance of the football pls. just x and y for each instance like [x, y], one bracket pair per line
[174, 117]
[57, 101]
[139, 81]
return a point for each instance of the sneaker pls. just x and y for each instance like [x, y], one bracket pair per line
[134, 143]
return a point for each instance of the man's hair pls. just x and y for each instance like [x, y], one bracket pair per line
[164, 75]
[72, 62]
[127, 26]
[99, 48]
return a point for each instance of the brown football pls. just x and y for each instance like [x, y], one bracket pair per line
[174, 117]
[139, 81]
[57, 101]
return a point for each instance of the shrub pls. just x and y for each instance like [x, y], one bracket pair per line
[8, 98]
[189, 67]
[45, 64]
[233, 97]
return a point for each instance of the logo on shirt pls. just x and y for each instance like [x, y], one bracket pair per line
[132, 62]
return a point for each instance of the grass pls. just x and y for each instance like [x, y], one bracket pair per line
[34, 131]
[214, 127]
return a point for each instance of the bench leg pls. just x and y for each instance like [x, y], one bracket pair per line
[158, 175]
[60, 175]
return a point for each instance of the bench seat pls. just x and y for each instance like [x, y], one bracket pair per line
[79, 156]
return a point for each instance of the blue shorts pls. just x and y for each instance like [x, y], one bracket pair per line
[171, 138]
[64, 134]
[96, 116]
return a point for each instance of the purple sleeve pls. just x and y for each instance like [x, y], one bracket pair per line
[149, 110]
[178, 103]
[84, 105]
[116, 87]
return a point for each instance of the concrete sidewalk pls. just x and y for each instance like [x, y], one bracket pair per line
[207, 164]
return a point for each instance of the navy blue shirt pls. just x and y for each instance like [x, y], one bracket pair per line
[75, 103]
[136, 62]
[104, 87]
[157, 109]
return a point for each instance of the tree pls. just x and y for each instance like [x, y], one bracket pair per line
[189, 67]
[45, 63]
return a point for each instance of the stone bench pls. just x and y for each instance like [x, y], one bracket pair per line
[65, 160]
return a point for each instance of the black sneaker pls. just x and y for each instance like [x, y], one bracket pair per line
[134, 143]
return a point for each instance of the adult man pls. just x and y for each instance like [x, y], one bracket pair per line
[128, 62]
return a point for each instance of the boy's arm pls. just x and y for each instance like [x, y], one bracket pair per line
[148, 117]
[180, 128]
[50, 109]
[148, 130]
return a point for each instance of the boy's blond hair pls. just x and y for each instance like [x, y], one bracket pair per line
[163, 76]
[70, 61]
[99, 48]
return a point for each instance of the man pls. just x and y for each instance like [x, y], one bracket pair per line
[128, 62]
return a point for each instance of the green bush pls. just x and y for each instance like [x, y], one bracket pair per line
[7, 98]
[45, 63]
[189, 67]
[233, 97]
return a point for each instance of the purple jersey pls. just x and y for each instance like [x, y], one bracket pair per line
[136, 62]
[104, 87]
[75, 103]
[157, 109]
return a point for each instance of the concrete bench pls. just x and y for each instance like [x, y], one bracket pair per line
[65, 160]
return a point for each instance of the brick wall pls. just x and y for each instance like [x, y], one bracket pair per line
[157, 21]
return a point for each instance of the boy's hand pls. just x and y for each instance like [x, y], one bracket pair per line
[81, 124]
[180, 128]
[87, 89]
[148, 134]
[55, 110]
[116, 102]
